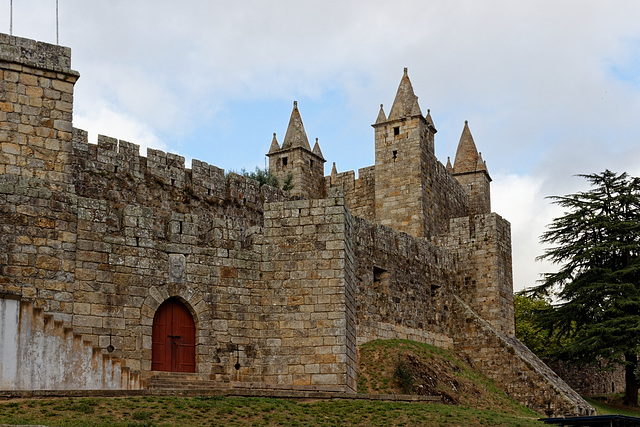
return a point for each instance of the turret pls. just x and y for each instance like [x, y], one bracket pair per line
[404, 155]
[471, 172]
[296, 158]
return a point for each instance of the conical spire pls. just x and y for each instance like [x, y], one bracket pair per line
[274, 144]
[430, 121]
[467, 153]
[316, 150]
[296, 135]
[334, 173]
[482, 165]
[449, 167]
[406, 102]
[381, 116]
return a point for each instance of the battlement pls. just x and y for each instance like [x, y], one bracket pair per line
[122, 160]
[35, 54]
[359, 193]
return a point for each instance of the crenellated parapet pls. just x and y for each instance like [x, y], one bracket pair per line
[122, 160]
[35, 54]
[359, 193]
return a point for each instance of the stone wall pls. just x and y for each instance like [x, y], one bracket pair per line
[37, 200]
[38, 353]
[399, 194]
[359, 193]
[404, 287]
[590, 380]
[309, 300]
[147, 229]
[305, 167]
[476, 185]
[513, 367]
[445, 197]
[483, 245]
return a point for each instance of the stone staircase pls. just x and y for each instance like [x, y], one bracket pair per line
[177, 381]
[40, 353]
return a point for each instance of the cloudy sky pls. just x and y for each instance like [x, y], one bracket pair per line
[551, 89]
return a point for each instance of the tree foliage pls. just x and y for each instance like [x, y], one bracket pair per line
[265, 177]
[597, 243]
[539, 340]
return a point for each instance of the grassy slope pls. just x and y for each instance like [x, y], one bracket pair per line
[409, 367]
[612, 404]
[427, 370]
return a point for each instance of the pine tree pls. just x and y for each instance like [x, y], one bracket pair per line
[597, 243]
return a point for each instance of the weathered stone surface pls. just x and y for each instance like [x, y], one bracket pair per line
[282, 286]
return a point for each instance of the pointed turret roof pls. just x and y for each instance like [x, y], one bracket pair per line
[467, 157]
[482, 165]
[334, 173]
[406, 102]
[449, 167]
[274, 144]
[381, 116]
[296, 135]
[467, 153]
[430, 121]
[316, 150]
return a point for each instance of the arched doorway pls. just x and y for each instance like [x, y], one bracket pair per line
[174, 337]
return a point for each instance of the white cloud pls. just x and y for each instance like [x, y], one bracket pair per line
[521, 201]
[124, 127]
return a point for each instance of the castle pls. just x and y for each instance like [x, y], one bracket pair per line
[115, 267]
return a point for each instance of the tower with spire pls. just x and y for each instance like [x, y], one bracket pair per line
[297, 160]
[404, 152]
[471, 172]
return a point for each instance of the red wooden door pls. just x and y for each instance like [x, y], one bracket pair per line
[173, 343]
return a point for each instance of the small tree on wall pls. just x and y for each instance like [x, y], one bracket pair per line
[265, 177]
[597, 243]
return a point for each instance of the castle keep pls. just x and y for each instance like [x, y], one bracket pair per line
[115, 267]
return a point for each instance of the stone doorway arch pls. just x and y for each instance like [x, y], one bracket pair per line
[173, 338]
[194, 301]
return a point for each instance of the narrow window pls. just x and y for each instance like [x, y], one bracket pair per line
[395, 154]
[396, 130]
[434, 290]
[284, 161]
[380, 278]
[311, 162]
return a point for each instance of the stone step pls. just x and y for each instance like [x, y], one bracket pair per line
[46, 341]
[177, 381]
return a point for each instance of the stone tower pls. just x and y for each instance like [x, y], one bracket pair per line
[471, 172]
[404, 150]
[296, 157]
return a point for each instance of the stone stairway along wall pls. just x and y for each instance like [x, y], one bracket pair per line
[514, 368]
[38, 353]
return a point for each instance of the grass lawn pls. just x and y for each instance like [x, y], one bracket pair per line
[612, 405]
[229, 411]
[393, 366]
